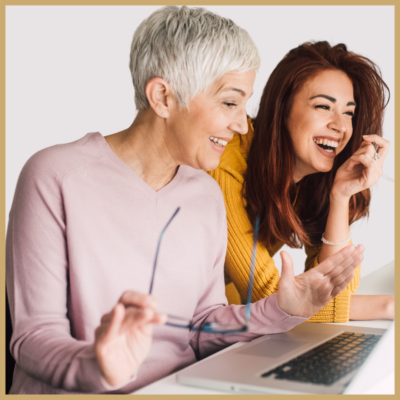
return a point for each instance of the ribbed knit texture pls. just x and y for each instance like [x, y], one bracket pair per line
[230, 176]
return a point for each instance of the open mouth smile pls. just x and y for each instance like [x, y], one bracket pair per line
[218, 142]
[326, 146]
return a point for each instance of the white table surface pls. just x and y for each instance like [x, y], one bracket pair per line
[379, 282]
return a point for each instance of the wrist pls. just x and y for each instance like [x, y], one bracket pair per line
[108, 386]
[389, 307]
[112, 377]
[338, 198]
[114, 382]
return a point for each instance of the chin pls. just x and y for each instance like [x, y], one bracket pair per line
[209, 165]
[325, 168]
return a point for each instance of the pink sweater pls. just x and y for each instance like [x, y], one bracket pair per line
[83, 229]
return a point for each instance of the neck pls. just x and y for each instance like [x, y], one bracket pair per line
[301, 170]
[144, 148]
[297, 177]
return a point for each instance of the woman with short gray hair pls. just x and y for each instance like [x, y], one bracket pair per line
[84, 228]
[190, 49]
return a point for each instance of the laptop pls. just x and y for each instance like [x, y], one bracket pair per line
[311, 359]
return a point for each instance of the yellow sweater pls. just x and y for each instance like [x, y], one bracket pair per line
[229, 175]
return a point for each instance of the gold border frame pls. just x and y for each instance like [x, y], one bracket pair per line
[3, 135]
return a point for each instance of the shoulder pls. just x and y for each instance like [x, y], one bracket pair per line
[58, 160]
[233, 162]
[204, 185]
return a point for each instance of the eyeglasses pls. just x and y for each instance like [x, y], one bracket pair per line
[212, 327]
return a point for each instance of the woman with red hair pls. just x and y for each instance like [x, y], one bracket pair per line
[306, 167]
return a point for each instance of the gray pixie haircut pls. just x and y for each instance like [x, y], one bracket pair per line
[189, 48]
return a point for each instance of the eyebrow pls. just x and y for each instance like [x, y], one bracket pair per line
[332, 99]
[228, 89]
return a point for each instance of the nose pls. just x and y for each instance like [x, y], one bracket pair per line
[338, 123]
[239, 123]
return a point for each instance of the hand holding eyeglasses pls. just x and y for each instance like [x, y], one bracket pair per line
[305, 294]
[123, 339]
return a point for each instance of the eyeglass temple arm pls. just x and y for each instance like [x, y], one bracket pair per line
[158, 248]
[253, 263]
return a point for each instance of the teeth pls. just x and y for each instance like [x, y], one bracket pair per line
[219, 142]
[331, 143]
[326, 142]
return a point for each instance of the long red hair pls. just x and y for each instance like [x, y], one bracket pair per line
[269, 188]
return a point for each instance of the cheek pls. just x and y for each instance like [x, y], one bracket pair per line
[301, 130]
[304, 122]
[217, 120]
[349, 133]
[209, 121]
[346, 142]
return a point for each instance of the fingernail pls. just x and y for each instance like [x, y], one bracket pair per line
[365, 135]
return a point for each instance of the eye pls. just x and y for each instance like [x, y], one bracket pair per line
[230, 105]
[323, 106]
[350, 113]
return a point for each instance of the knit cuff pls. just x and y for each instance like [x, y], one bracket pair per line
[337, 310]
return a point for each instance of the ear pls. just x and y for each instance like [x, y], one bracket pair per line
[159, 96]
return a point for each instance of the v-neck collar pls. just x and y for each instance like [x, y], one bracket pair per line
[139, 181]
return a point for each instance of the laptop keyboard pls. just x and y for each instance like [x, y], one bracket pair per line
[328, 362]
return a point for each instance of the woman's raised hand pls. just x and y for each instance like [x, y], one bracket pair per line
[305, 294]
[361, 171]
[123, 339]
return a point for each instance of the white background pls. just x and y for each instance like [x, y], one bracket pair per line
[67, 74]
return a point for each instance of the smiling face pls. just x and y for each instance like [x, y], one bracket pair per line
[320, 121]
[199, 135]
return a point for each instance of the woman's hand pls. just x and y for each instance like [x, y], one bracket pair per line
[360, 171]
[305, 294]
[123, 339]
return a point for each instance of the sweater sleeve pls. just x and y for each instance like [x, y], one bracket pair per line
[240, 244]
[37, 284]
[266, 279]
[266, 315]
[338, 309]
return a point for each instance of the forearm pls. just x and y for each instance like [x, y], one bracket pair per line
[337, 227]
[266, 318]
[60, 361]
[367, 307]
